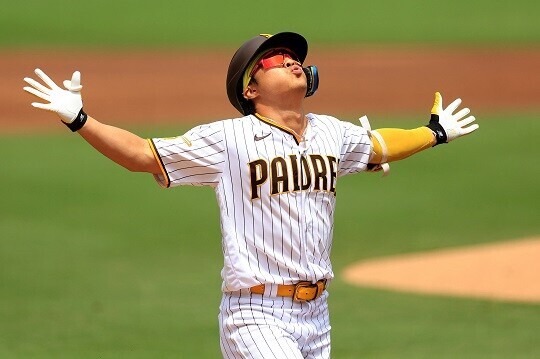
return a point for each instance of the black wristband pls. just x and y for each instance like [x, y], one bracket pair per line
[438, 130]
[78, 122]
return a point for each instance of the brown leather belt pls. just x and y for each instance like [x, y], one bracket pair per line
[301, 291]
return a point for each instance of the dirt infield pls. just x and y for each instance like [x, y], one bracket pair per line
[162, 86]
[505, 271]
[150, 88]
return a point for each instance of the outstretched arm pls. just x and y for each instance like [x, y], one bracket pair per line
[392, 144]
[121, 146]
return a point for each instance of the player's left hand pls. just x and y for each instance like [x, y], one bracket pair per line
[448, 126]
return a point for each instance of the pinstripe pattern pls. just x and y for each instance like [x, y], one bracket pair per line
[276, 200]
[281, 238]
[254, 326]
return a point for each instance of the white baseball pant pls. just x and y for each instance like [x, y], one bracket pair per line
[256, 326]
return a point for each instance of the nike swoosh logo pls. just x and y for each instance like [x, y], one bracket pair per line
[258, 138]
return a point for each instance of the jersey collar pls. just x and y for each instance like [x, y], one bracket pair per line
[297, 138]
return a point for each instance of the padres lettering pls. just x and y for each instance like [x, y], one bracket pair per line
[291, 174]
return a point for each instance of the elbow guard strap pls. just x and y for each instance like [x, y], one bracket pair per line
[382, 164]
[381, 148]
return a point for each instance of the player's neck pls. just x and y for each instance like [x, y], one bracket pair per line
[293, 119]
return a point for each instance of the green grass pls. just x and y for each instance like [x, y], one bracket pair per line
[478, 189]
[98, 262]
[168, 23]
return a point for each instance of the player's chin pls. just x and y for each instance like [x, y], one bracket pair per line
[300, 77]
[303, 84]
[300, 83]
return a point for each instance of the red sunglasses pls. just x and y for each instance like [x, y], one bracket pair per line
[273, 59]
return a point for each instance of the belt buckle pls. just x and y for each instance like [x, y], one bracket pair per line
[302, 285]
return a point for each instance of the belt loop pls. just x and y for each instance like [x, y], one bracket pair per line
[321, 285]
[271, 290]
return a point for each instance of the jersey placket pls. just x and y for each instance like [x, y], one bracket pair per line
[306, 223]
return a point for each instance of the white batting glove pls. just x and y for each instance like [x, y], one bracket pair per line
[65, 103]
[448, 126]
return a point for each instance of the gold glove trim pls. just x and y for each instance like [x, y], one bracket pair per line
[437, 104]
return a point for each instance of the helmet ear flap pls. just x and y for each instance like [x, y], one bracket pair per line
[312, 76]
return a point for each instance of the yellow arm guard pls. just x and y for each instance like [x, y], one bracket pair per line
[399, 144]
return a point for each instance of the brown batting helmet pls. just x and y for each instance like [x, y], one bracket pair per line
[251, 49]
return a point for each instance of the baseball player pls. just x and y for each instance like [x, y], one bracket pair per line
[274, 170]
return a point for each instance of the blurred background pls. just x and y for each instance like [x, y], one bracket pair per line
[99, 262]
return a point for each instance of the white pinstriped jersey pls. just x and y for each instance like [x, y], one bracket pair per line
[276, 195]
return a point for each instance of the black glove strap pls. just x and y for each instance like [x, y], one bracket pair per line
[78, 122]
[438, 130]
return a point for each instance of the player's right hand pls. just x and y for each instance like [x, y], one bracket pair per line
[65, 103]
